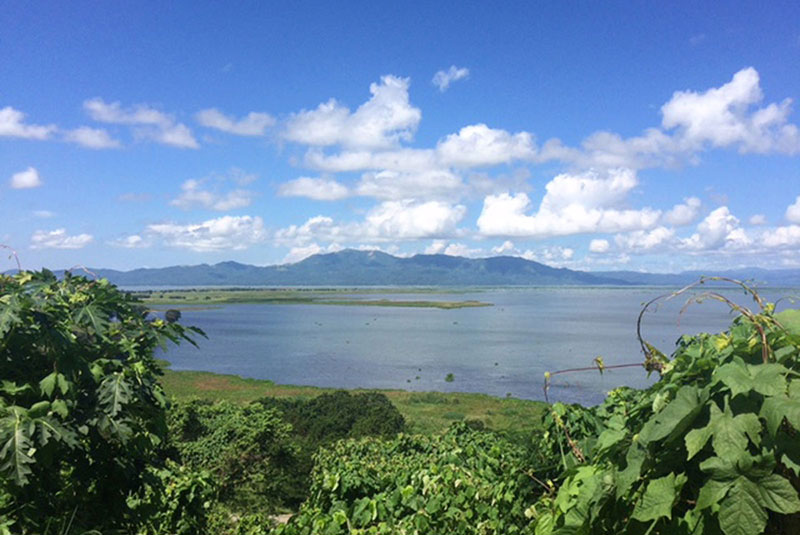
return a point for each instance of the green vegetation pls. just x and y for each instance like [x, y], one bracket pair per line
[82, 416]
[424, 412]
[90, 444]
[298, 296]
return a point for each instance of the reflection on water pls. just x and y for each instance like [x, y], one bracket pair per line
[500, 350]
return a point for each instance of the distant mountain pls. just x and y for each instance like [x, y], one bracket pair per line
[363, 268]
[374, 268]
[758, 276]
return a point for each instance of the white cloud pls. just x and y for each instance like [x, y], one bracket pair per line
[92, 138]
[29, 178]
[793, 211]
[133, 241]
[58, 239]
[554, 255]
[394, 185]
[505, 247]
[683, 214]
[758, 219]
[319, 189]
[381, 122]
[296, 254]
[724, 116]
[403, 160]
[149, 123]
[390, 220]
[227, 232]
[193, 195]
[572, 204]
[599, 246]
[443, 79]
[408, 219]
[12, 125]
[43, 214]
[643, 240]
[782, 237]
[478, 145]
[252, 124]
[717, 230]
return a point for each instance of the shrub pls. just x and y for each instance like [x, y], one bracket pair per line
[81, 411]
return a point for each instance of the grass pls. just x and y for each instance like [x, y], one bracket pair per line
[425, 412]
[295, 296]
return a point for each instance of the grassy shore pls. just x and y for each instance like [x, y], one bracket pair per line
[425, 412]
[293, 296]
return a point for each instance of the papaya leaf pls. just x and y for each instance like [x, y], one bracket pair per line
[114, 392]
[17, 445]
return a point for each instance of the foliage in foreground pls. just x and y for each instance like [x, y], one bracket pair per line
[464, 481]
[81, 412]
[711, 448]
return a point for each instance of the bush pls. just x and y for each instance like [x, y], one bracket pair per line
[82, 416]
[463, 481]
[710, 448]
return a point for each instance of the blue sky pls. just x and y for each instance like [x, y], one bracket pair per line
[603, 135]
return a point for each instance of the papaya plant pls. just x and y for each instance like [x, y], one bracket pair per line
[82, 415]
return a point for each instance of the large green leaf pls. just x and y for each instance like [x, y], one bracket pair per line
[9, 313]
[17, 447]
[676, 416]
[775, 409]
[741, 511]
[658, 498]
[778, 494]
[114, 392]
[766, 379]
[730, 432]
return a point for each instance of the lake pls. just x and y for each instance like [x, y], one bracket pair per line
[500, 350]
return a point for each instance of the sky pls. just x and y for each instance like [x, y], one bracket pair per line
[647, 136]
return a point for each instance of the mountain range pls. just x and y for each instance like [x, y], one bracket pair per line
[374, 268]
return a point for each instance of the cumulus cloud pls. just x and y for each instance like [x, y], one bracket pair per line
[134, 241]
[505, 247]
[389, 220]
[718, 229]
[43, 214]
[479, 145]
[29, 178]
[12, 124]
[195, 195]
[599, 246]
[782, 237]
[59, 239]
[793, 211]
[394, 185]
[296, 254]
[401, 160]
[683, 214]
[381, 122]
[758, 219]
[442, 79]
[572, 204]
[91, 138]
[148, 122]
[644, 240]
[227, 232]
[725, 116]
[252, 124]
[318, 189]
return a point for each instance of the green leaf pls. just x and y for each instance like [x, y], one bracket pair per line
[676, 416]
[16, 449]
[658, 498]
[48, 384]
[735, 376]
[775, 409]
[741, 512]
[778, 494]
[769, 379]
[113, 393]
[712, 493]
[696, 439]
[9, 308]
[730, 432]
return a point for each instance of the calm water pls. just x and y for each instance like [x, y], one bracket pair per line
[499, 350]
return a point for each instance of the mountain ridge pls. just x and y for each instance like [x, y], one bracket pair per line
[375, 268]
